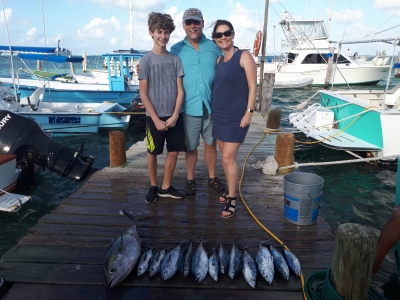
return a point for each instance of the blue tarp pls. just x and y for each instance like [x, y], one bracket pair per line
[29, 49]
[52, 58]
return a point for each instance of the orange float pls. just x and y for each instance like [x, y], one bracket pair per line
[257, 43]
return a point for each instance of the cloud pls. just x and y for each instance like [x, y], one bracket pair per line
[347, 15]
[8, 13]
[31, 36]
[114, 41]
[147, 5]
[98, 28]
[389, 6]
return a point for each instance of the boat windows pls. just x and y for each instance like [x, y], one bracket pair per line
[291, 57]
[322, 59]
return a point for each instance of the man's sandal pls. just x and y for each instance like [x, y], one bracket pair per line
[224, 196]
[216, 184]
[228, 206]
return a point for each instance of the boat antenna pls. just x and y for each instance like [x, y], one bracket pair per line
[130, 22]
[329, 19]
[44, 27]
[11, 52]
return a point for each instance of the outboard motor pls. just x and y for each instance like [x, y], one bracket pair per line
[24, 137]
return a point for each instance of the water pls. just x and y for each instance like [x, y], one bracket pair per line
[353, 193]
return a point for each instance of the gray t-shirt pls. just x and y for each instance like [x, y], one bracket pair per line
[161, 72]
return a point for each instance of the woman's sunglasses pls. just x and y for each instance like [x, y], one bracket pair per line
[219, 35]
[191, 21]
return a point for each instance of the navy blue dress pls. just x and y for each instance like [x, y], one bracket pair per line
[229, 102]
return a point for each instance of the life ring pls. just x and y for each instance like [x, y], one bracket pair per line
[257, 43]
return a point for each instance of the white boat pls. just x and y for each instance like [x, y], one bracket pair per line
[65, 118]
[10, 202]
[307, 50]
[363, 123]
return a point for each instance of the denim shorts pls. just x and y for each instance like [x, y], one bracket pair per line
[196, 126]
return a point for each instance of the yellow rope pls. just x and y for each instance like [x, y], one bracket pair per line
[266, 131]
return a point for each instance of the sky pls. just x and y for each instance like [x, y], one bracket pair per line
[97, 27]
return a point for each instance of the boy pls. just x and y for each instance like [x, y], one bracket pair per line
[161, 90]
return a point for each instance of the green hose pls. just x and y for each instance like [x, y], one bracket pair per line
[319, 287]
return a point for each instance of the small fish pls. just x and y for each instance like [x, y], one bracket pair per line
[169, 265]
[280, 263]
[122, 255]
[144, 262]
[213, 265]
[223, 259]
[265, 263]
[155, 262]
[249, 268]
[200, 263]
[292, 261]
[186, 259]
[235, 261]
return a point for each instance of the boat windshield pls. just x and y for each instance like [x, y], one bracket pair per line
[316, 58]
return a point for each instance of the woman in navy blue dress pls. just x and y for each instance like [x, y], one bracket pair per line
[234, 97]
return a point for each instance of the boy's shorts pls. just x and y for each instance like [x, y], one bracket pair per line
[174, 137]
[196, 126]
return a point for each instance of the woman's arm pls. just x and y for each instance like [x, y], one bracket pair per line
[250, 68]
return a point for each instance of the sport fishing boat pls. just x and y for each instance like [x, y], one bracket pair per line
[363, 123]
[305, 54]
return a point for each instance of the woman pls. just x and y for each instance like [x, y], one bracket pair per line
[234, 97]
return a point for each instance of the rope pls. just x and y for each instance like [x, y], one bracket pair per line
[266, 131]
[319, 286]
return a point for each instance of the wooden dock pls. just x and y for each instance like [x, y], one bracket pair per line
[62, 256]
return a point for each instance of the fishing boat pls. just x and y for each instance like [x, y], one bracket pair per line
[68, 88]
[10, 202]
[65, 117]
[363, 123]
[306, 50]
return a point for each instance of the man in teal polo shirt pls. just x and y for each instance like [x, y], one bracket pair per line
[199, 56]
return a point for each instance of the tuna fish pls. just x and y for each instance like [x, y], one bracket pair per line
[249, 268]
[292, 261]
[200, 263]
[122, 255]
[186, 259]
[235, 261]
[213, 265]
[280, 263]
[265, 263]
[155, 262]
[223, 259]
[169, 265]
[144, 262]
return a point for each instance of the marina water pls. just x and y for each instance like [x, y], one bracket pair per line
[361, 193]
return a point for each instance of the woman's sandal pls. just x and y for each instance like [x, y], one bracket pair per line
[224, 196]
[228, 206]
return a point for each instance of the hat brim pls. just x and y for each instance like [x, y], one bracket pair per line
[192, 18]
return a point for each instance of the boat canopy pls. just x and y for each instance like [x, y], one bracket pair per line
[395, 41]
[51, 57]
[27, 49]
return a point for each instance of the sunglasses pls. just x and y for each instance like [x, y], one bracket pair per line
[190, 22]
[219, 35]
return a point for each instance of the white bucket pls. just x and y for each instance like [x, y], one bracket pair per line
[302, 192]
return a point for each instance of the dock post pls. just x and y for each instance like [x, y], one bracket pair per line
[117, 148]
[274, 119]
[284, 151]
[267, 90]
[329, 69]
[84, 62]
[352, 261]
[39, 65]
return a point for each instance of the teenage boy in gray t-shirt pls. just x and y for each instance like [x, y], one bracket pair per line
[161, 91]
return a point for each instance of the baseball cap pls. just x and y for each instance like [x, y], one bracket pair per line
[192, 14]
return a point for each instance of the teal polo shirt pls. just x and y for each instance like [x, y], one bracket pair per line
[199, 69]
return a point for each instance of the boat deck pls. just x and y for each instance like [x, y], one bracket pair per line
[63, 254]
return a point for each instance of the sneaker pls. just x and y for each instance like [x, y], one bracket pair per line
[152, 194]
[190, 188]
[170, 192]
[216, 184]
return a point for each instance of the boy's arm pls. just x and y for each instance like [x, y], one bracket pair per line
[178, 104]
[144, 96]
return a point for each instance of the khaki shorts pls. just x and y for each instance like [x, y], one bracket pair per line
[196, 126]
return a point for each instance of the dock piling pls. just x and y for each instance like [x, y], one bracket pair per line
[117, 148]
[284, 151]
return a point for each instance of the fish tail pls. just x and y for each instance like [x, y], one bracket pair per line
[130, 216]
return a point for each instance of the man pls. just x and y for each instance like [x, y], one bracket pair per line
[348, 52]
[199, 56]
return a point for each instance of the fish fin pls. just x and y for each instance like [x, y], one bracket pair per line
[120, 246]
[130, 216]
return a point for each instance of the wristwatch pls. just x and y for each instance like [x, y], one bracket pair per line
[250, 110]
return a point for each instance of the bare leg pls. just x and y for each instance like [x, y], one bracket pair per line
[191, 157]
[152, 168]
[229, 151]
[169, 168]
[210, 157]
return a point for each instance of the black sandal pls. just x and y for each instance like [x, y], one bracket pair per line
[228, 206]
[216, 184]
[225, 196]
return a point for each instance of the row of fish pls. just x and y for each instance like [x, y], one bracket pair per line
[124, 253]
